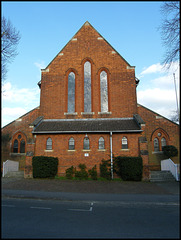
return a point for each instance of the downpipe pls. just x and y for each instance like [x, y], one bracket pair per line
[111, 155]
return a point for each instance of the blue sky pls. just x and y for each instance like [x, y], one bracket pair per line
[46, 27]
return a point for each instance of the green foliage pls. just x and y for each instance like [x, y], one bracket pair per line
[82, 174]
[105, 169]
[93, 173]
[129, 168]
[70, 172]
[170, 151]
[44, 167]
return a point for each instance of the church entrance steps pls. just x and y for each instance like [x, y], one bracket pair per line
[161, 176]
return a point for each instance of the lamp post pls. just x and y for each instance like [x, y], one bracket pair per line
[176, 95]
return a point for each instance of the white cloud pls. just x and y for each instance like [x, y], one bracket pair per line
[40, 65]
[155, 68]
[25, 96]
[10, 114]
[16, 102]
[160, 69]
[158, 89]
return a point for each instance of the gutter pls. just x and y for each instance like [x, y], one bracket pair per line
[100, 131]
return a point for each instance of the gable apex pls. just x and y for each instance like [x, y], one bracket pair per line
[87, 24]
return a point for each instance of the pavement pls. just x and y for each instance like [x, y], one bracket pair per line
[74, 190]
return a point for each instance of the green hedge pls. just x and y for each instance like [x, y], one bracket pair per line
[129, 168]
[44, 167]
[170, 151]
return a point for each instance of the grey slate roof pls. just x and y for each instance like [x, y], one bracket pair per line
[87, 125]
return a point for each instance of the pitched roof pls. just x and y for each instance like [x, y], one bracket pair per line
[87, 125]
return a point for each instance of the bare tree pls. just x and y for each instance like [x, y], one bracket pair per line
[9, 40]
[175, 117]
[170, 31]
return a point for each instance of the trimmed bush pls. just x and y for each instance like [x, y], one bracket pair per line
[44, 167]
[82, 174]
[70, 172]
[93, 173]
[129, 168]
[170, 151]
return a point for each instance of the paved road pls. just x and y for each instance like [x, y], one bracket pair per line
[28, 218]
[48, 209]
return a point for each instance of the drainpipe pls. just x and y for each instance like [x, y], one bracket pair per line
[111, 155]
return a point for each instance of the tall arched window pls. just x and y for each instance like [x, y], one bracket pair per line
[156, 145]
[86, 143]
[71, 92]
[49, 144]
[163, 142]
[124, 143]
[87, 87]
[104, 91]
[15, 146]
[22, 146]
[101, 143]
[71, 144]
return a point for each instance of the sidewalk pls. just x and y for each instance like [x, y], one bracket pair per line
[95, 190]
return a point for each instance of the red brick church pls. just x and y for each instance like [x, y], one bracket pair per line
[88, 112]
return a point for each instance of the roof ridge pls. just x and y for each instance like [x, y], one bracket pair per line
[85, 119]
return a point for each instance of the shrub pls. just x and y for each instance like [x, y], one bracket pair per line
[170, 151]
[105, 169]
[129, 168]
[70, 172]
[44, 167]
[82, 174]
[93, 173]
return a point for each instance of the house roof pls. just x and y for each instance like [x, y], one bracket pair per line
[87, 125]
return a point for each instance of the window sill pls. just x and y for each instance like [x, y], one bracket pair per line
[17, 154]
[48, 150]
[104, 113]
[125, 150]
[66, 113]
[87, 113]
[71, 150]
[86, 150]
[159, 152]
[101, 150]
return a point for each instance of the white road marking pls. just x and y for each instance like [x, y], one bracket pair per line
[7, 205]
[40, 208]
[82, 210]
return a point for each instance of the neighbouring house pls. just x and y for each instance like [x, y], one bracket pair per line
[88, 112]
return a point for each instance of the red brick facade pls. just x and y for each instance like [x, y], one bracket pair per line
[88, 45]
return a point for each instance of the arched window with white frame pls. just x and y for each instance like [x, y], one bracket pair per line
[87, 87]
[104, 91]
[71, 143]
[49, 144]
[71, 92]
[86, 143]
[124, 143]
[101, 143]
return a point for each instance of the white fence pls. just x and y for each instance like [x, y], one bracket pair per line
[10, 166]
[169, 165]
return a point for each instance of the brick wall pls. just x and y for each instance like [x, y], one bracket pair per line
[157, 124]
[20, 126]
[87, 44]
[67, 158]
